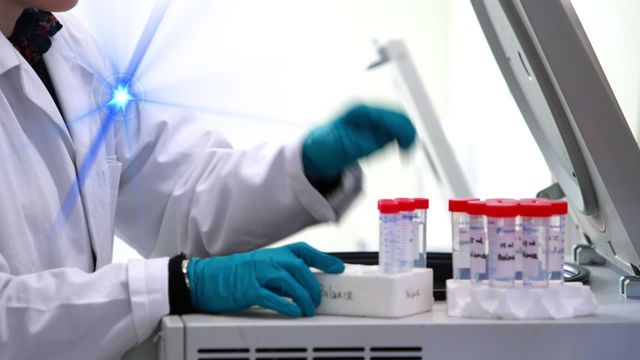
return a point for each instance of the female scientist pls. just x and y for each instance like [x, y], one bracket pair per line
[60, 296]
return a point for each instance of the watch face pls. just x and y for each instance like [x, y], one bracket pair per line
[184, 266]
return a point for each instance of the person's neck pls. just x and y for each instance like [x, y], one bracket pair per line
[9, 14]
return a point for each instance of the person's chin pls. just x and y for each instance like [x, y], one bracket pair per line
[56, 5]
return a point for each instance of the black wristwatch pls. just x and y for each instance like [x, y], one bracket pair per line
[179, 288]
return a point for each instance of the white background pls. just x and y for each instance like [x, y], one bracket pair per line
[271, 70]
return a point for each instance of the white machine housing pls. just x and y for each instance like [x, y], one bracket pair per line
[262, 335]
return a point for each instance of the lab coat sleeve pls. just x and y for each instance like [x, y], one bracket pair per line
[70, 314]
[184, 188]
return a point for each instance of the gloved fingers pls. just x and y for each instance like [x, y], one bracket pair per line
[396, 125]
[268, 299]
[317, 259]
[388, 124]
[301, 272]
[284, 284]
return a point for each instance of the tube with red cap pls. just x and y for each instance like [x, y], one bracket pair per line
[477, 241]
[389, 216]
[557, 224]
[420, 228]
[460, 238]
[518, 261]
[535, 223]
[407, 235]
[519, 240]
[501, 234]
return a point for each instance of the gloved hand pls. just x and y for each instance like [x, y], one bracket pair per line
[261, 277]
[329, 149]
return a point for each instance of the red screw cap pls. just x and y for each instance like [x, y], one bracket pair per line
[476, 207]
[502, 209]
[459, 205]
[421, 203]
[388, 206]
[406, 204]
[501, 200]
[559, 207]
[534, 209]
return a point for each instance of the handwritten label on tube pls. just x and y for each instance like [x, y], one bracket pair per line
[530, 250]
[477, 251]
[503, 249]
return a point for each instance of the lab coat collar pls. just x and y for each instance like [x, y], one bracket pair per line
[60, 46]
[9, 57]
[35, 90]
[59, 56]
[32, 86]
[74, 83]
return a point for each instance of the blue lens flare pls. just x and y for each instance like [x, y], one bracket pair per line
[121, 97]
[120, 94]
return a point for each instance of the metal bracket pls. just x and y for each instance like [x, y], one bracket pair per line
[383, 59]
[553, 191]
[629, 286]
[585, 254]
[435, 146]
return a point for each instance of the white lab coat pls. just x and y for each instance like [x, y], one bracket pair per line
[178, 186]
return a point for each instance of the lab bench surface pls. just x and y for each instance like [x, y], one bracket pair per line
[433, 335]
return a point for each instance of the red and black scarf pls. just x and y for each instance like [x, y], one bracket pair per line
[32, 33]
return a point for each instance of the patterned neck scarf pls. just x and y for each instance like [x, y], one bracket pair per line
[32, 34]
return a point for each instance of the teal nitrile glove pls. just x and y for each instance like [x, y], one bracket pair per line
[261, 277]
[362, 130]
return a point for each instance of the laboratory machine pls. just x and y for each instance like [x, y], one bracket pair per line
[562, 92]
